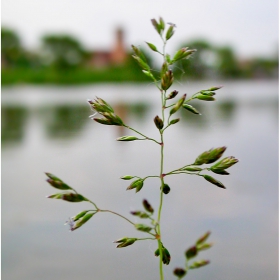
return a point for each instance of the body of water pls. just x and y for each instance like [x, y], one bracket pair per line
[47, 129]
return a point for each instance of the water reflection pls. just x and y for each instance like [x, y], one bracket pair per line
[13, 122]
[241, 217]
[138, 110]
[64, 121]
[227, 109]
[196, 121]
[61, 121]
[68, 121]
[222, 112]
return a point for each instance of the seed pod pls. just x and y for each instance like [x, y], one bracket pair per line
[170, 32]
[219, 171]
[103, 121]
[179, 272]
[141, 62]
[166, 189]
[214, 181]
[125, 241]
[168, 59]
[183, 53]
[58, 184]
[152, 47]
[113, 118]
[149, 74]
[192, 168]
[164, 69]
[224, 163]
[148, 207]
[178, 105]
[139, 53]
[158, 122]
[191, 252]
[207, 92]
[215, 88]
[172, 94]
[143, 227]
[71, 197]
[157, 252]
[198, 264]
[204, 246]
[129, 242]
[79, 215]
[53, 177]
[82, 220]
[161, 23]
[167, 80]
[204, 97]
[127, 177]
[127, 138]
[190, 108]
[209, 156]
[179, 54]
[100, 106]
[157, 26]
[140, 214]
[203, 238]
[165, 256]
[138, 188]
[174, 121]
[135, 184]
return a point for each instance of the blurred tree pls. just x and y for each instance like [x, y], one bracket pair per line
[200, 64]
[227, 63]
[11, 50]
[62, 52]
[263, 68]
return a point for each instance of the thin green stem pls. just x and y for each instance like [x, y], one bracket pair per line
[146, 137]
[152, 234]
[179, 169]
[169, 106]
[181, 172]
[152, 176]
[163, 102]
[117, 215]
[146, 238]
[92, 203]
[160, 208]
[74, 191]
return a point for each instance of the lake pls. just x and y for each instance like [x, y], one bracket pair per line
[47, 129]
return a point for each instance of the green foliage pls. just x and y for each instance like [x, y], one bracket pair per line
[63, 60]
[12, 54]
[63, 51]
[227, 63]
[198, 65]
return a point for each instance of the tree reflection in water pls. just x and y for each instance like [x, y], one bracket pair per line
[68, 121]
[13, 121]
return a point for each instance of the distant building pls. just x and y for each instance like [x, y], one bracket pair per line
[117, 56]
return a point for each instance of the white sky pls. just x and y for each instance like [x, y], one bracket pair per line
[250, 26]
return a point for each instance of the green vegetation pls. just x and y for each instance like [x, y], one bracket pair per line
[62, 59]
[70, 76]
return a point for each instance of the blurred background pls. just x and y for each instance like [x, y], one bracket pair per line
[57, 54]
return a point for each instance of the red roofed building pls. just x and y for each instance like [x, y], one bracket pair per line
[117, 56]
